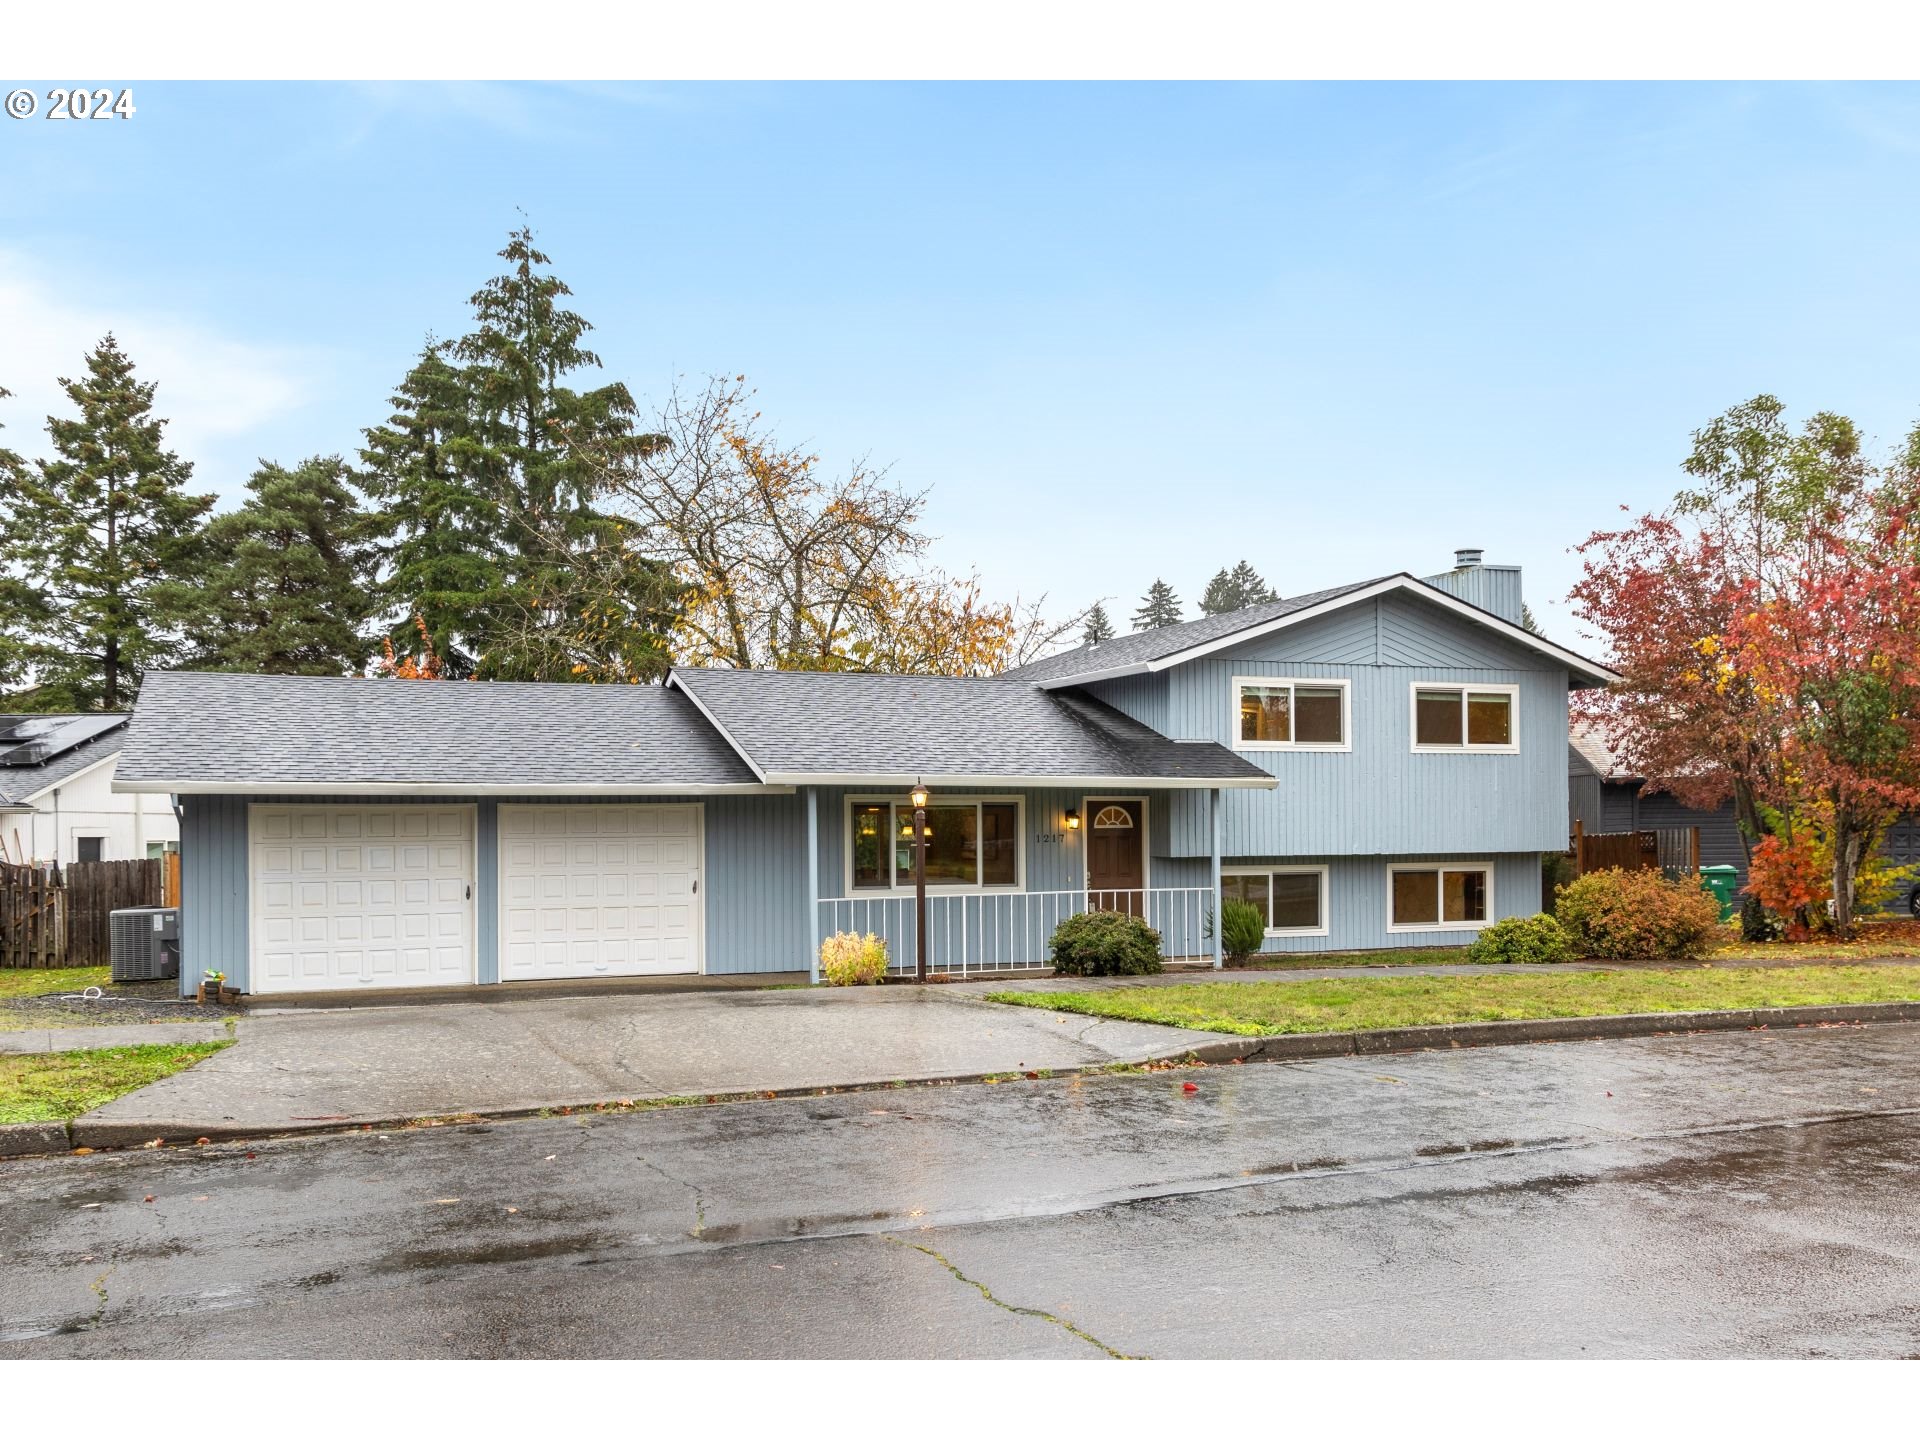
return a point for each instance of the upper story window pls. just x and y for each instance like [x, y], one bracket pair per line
[1280, 714]
[970, 843]
[1466, 717]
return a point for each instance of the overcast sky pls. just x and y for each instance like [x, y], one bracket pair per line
[1120, 331]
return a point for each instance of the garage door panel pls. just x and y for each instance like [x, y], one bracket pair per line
[600, 892]
[359, 910]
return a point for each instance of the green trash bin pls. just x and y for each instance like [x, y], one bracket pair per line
[1723, 883]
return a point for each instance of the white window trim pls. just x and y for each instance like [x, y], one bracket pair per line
[1414, 687]
[1281, 932]
[1443, 867]
[1345, 687]
[936, 800]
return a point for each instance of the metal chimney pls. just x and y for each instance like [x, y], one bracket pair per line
[1467, 559]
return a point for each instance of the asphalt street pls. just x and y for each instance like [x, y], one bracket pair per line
[1742, 1194]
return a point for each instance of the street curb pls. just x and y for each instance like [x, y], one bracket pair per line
[40, 1137]
[129, 1134]
[1526, 1032]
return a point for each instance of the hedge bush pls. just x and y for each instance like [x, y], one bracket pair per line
[849, 958]
[1535, 940]
[1638, 915]
[1243, 929]
[1105, 942]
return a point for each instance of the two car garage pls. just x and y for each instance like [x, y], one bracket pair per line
[356, 897]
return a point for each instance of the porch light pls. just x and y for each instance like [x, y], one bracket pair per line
[919, 797]
[1073, 819]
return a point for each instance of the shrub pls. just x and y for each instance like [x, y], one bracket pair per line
[1535, 940]
[1243, 929]
[1788, 878]
[1556, 870]
[1638, 915]
[849, 958]
[1105, 942]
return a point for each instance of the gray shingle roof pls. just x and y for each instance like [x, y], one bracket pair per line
[1151, 645]
[898, 728]
[17, 782]
[210, 732]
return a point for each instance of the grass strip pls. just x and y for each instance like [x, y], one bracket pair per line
[59, 1087]
[22, 984]
[1392, 1002]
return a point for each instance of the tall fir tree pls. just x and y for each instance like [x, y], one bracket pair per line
[91, 534]
[1159, 608]
[1098, 626]
[17, 599]
[1235, 589]
[286, 581]
[489, 471]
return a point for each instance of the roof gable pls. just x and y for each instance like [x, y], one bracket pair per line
[1156, 650]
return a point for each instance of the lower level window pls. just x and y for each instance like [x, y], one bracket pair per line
[88, 848]
[1291, 899]
[1438, 896]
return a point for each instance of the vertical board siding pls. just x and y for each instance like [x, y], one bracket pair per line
[1380, 797]
[1494, 588]
[1143, 697]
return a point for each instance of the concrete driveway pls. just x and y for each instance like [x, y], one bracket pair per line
[323, 1069]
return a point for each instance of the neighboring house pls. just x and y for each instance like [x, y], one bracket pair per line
[1379, 764]
[1607, 799]
[57, 802]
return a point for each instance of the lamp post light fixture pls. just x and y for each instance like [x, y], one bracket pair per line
[920, 883]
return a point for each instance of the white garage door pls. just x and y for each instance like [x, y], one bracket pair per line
[348, 897]
[599, 890]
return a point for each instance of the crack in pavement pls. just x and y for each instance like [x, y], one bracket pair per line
[1027, 1310]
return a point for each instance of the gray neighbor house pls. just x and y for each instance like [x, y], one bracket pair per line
[1379, 764]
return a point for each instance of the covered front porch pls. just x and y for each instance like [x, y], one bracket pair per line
[1005, 867]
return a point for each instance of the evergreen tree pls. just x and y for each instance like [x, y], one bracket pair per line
[489, 470]
[17, 598]
[1527, 622]
[91, 535]
[1159, 608]
[1219, 598]
[1098, 627]
[1235, 589]
[1253, 590]
[285, 585]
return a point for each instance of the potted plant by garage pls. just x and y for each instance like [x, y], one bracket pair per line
[212, 984]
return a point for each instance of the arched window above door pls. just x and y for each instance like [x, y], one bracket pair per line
[1113, 817]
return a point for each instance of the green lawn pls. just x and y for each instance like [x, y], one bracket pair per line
[19, 984]
[1386, 1002]
[59, 1087]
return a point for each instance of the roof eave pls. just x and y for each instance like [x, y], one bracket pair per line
[933, 780]
[432, 787]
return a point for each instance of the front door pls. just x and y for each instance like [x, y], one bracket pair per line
[1116, 856]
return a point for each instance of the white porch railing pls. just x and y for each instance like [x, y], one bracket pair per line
[990, 932]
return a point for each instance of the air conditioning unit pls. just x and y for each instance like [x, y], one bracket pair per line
[144, 944]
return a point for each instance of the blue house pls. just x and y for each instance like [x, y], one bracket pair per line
[1379, 764]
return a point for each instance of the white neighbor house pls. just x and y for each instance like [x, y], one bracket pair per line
[57, 802]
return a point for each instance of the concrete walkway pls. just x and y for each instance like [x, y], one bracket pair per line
[326, 1069]
[109, 1037]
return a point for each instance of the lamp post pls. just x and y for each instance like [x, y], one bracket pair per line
[920, 883]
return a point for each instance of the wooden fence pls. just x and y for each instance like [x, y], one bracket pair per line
[49, 919]
[1672, 849]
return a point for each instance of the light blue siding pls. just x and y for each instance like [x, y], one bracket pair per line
[1357, 901]
[1380, 797]
[1494, 588]
[1144, 697]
